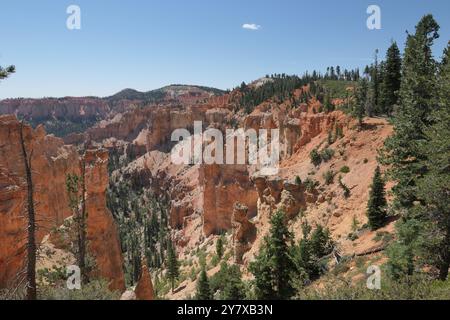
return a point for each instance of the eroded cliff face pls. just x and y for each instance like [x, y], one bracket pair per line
[244, 231]
[51, 162]
[223, 186]
[102, 235]
[73, 109]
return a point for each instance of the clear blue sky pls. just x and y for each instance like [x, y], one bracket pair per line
[148, 44]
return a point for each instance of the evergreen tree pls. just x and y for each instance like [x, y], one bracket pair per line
[376, 207]
[228, 281]
[219, 247]
[173, 270]
[203, 289]
[361, 101]
[418, 84]
[434, 188]
[328, 105]
[273, 266]
[307, 255]
[375, 80]
[6, 72]
[321, 243]
[391, 79]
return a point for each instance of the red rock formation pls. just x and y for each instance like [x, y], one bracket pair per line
[102, 235]
[50, 162]
[224, 185]
[144, 287]
[244, 232]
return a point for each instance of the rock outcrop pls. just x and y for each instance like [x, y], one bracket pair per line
[144, 287]
[244, 232]
[51, 161]
[224, 185]
[102, 234]
[275, 193]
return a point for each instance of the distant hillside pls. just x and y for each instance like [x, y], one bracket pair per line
[169, 92]
[62, 116]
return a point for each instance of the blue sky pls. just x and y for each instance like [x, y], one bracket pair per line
[148, 44]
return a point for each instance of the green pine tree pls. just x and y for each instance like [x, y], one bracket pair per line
[434, 187]
[375, 85]
[203, 288]
[219, 247]
[173, 270]
[228, 281]
[376, 207]
[361, 100]
[391, 79]
[273, 266]
[416, 102]
[6, 72]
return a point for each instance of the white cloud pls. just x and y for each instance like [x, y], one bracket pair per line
[251, 26]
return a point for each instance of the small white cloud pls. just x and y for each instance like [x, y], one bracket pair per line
[251, 26]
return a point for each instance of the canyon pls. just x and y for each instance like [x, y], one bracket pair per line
[204, 202]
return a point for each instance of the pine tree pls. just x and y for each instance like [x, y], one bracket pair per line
[173, 270]
[361, 101]
[403, 152]
[328, 105]
[376, 207]
[434, 188]
[203, 289]
[321, 243]
[418, 84]
[391, 80]
[6, 72]
[228, 281]
[273, 266]
[219, 247]
[375, 80]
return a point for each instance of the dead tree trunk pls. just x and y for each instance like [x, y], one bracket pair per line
[82, 229]
[31, 229]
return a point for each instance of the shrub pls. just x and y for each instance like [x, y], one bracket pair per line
[344, 187]
[310, 184]
[342, 267]
[315, 157]
[345, 169]
[409, 288]
[298, 181]
[330, 138]
[327, 154]
[329, 177]
[339, 133]
[352, 236]
[94, 290]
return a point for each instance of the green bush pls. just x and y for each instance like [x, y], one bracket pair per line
[315, 157]
[327, 154]
[329, 177]
[310, 184]
[94, 290]
[419, 287]
[345, 169]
